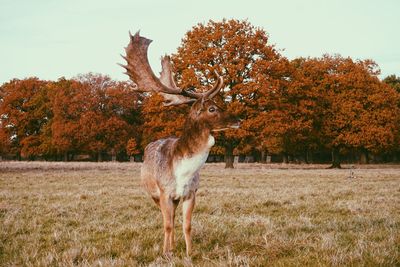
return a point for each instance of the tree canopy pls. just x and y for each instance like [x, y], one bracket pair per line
[296, 109]
[250, 66]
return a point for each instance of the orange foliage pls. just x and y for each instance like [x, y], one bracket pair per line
[93, 114]
[160, 121]
[132, 147]
[362, 112]
[287, 107]
[241, 54]
[25, 113]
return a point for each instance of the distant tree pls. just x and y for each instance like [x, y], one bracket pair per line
[132, 147]
[360, 111]
[90, 114]
[289, 110]
[93, 121]
[5, 141]
[296, 123]
[393, 81]
[69, 103]
[240, 53]
[94, 114]
[25, 114]
[123, 117]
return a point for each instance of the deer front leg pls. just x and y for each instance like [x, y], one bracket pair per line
[168, 213]
[187, 209]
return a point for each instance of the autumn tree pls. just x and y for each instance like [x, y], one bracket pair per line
[68, 104]
[240, 53]
[294, 123]
[94, 115]
[132, 148]
[360, 112]
[93, 122]
[25, 114]
[123, 117]
[5, 140]
[394, 82]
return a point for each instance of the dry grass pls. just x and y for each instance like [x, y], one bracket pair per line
[88, 214]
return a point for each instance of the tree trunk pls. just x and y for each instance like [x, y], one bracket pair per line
[229, 158]
[395, 157]
[285, 158]
[113, 155]
[269, 158]
[364, 159]
[335, 159]
[307, 157]
[66, 156]
[263, 156]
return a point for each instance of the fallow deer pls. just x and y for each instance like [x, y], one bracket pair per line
[170, 170]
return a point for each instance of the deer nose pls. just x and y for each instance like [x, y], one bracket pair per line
[235, 122]
[236, 125]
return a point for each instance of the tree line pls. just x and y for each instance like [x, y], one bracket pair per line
[330, 108]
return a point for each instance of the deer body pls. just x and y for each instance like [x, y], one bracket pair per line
[170, 170]
[173, 170]
[176, 180]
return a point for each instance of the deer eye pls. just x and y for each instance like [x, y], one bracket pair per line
[211, 109]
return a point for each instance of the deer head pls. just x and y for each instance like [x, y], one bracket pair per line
[203, 110]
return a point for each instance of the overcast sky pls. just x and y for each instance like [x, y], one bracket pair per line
[54, 38]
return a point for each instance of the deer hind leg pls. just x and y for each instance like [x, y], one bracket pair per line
[187, 209]
[168, 212]
[172, 239]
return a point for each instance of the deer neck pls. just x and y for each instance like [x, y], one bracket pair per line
[196, 139]
[191, 153]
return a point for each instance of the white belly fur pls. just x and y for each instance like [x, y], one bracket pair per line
[186, 168]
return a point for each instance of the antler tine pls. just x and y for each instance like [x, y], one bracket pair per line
[192, 94]
[209, 93]
[175, 100]
[166, 75]
[216, 88]
[138, 67]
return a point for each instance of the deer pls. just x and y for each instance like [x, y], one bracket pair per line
[170, 168]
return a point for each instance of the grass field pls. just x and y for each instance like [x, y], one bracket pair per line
[89, 214]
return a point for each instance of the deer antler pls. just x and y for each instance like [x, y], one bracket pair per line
[140, 72]
[167, 77]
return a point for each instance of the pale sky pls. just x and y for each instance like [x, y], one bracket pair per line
[54, 38]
